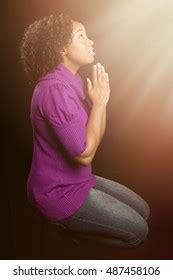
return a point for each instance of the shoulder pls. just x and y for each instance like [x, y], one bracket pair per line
[54, 88]
[55, 96]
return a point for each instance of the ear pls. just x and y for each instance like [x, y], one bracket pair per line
[64, 52]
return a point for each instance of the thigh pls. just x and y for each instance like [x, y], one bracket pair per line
[105, 215]
[123, 194]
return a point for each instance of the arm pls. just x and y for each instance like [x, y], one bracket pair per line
[99, 95]
[94, 134]
[103, 124]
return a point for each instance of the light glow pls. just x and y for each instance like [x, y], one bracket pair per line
[138, 46]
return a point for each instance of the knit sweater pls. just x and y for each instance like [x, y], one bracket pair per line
[57, 185]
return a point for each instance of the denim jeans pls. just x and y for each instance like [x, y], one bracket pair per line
[112, 213]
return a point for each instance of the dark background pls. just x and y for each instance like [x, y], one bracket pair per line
[141, 158]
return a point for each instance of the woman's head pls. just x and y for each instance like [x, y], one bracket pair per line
[80, 51]
[52, 40]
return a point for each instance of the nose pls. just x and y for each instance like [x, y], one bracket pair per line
[91, 42]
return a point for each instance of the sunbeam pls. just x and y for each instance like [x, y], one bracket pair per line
[137, 48]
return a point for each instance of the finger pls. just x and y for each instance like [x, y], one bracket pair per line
[107, 77]
[103, 74]
[99, 73]
[89, 85]
[94, 74]
[103, 69]
[107, 80]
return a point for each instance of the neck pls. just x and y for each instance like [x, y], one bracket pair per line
[70, 66]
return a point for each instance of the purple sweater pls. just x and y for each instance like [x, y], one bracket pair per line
[57, 185]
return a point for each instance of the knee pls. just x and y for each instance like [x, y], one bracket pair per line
[146, 211]
[139, 234]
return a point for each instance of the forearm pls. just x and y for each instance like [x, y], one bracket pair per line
[98, 92]
[103, 124]
[94, 133]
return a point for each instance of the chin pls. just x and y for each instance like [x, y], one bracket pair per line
[91, 60]
[88, 61]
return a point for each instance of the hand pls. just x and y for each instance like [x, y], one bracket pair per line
[99, 89]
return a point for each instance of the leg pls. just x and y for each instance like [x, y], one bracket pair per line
[123, 194]
[103, 216]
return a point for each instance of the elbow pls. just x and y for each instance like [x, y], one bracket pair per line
[85, 161]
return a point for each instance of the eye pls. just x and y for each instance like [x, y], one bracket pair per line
[81, 36]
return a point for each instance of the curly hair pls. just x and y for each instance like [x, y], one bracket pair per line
[42, 44]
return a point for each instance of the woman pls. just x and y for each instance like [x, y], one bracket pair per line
[66, 134]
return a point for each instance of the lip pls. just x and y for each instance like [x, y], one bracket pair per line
[92, 51]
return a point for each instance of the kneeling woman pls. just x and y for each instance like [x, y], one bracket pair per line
[67, 130]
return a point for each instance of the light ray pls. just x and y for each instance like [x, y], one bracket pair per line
[137, 47]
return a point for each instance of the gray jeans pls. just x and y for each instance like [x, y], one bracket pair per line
[111, 213]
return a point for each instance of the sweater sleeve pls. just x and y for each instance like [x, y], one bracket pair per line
[62, 111]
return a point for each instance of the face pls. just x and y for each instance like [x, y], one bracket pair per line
[80, 51]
